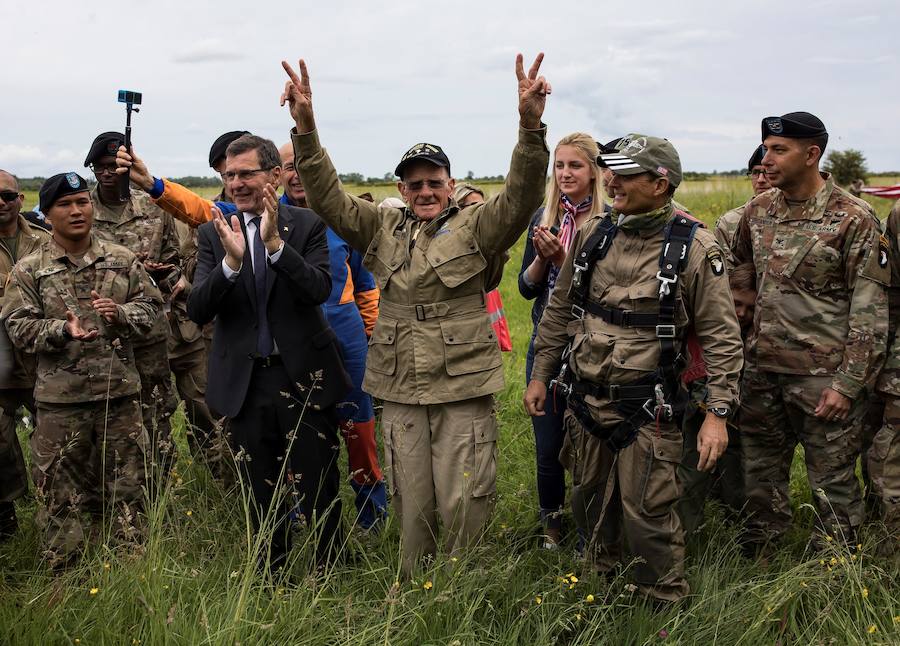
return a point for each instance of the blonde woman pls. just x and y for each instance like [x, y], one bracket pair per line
[574, 193]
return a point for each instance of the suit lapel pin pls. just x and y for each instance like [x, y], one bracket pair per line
[285, 229]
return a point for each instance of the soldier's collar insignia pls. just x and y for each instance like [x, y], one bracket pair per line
[714, 256]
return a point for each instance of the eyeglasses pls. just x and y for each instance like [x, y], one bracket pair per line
[243, 175]
[756, 173]
[419, 184]
[99, 169]
[9, 196]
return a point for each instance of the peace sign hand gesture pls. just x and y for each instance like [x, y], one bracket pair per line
[299, 95]
[533, 91]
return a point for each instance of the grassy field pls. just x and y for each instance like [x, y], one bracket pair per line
[194, 582]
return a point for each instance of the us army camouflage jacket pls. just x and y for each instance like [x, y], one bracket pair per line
[149, 232]
[433, 341]
[726, 227]
[45, 285]
[604, 353]
[29, 239]
[821, 272]
[889, 379]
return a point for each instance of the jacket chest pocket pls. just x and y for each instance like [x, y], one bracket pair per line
[816, 266]
[455, 257]
[644, 298]
[384, 256]
[382, 355]
[469, 345]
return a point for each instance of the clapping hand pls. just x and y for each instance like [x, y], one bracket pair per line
[105, 307]
[268, 229]
[74, 328]
[232, 237]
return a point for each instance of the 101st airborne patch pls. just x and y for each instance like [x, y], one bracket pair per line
[714, 256]
[882, 251]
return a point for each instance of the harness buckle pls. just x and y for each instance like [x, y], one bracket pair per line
[613, 392]
[665, 331]
[664, 282]
[577, 311]
[580, 268]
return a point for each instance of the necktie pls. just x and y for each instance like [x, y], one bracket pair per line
[264, 344]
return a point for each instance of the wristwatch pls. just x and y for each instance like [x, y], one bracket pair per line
[722, 412]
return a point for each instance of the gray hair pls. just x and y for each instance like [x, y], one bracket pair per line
[265, 150]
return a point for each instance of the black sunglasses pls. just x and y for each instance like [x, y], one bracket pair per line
[8, 196]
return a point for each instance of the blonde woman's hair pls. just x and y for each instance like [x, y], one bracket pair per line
[586, 145]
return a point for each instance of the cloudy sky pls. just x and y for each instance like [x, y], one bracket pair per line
[388, 75]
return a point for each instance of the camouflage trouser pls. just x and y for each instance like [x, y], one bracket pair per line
[204, 432]
[884, 468]
[725, 481]
[641, 510]
[777, 413]
[84, 452]
[13, 475]
[158, 402]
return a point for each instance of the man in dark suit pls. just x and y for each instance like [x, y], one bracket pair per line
[274, 368]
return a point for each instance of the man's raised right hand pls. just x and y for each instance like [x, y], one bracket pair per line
[298, 94]
[140, 174]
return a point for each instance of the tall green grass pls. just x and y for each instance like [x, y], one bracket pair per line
[195, 581]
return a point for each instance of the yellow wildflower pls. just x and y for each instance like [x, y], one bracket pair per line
[833, 561]
[589, 598]
[190, 513]
[428, 585]
[828, 538]
[897, 619]
[106, 566]
[573, 578]
[538, 600]
[95, 590]
[865, 593]
[803, 584]
[570, 574]
[872, 629]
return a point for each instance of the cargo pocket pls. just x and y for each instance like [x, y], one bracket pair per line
[388, 435]
[485, 438]
[633, 359]
[382, 356]
[455, 257]
[659, 489]
[815, 267]
[383, 257]
[470, 345]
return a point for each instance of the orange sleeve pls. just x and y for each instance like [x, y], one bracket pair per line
[185, 205]
[367, 304]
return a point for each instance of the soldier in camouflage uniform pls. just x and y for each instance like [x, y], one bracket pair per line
[18, 238]
[75, 303]
[149, 232]
[884, 455]
[187, 360]
[820, 332]
[727, 224]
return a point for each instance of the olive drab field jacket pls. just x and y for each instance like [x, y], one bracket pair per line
[433, 341]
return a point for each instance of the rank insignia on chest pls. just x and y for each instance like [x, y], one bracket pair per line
[714, 256]
[882, 252]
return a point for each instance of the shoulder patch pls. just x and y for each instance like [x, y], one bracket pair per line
[716, 263]
[883, 253]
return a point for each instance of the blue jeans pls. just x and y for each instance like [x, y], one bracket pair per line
[548, 440]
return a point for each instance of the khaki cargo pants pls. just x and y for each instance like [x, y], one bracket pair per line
[13, 475]
[642, 505]
[441, 461]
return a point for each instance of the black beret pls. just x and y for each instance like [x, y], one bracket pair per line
[426, 152]
[220, 145]
[756, 158]
[794, 125]
[106, 143]
[59, 186]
